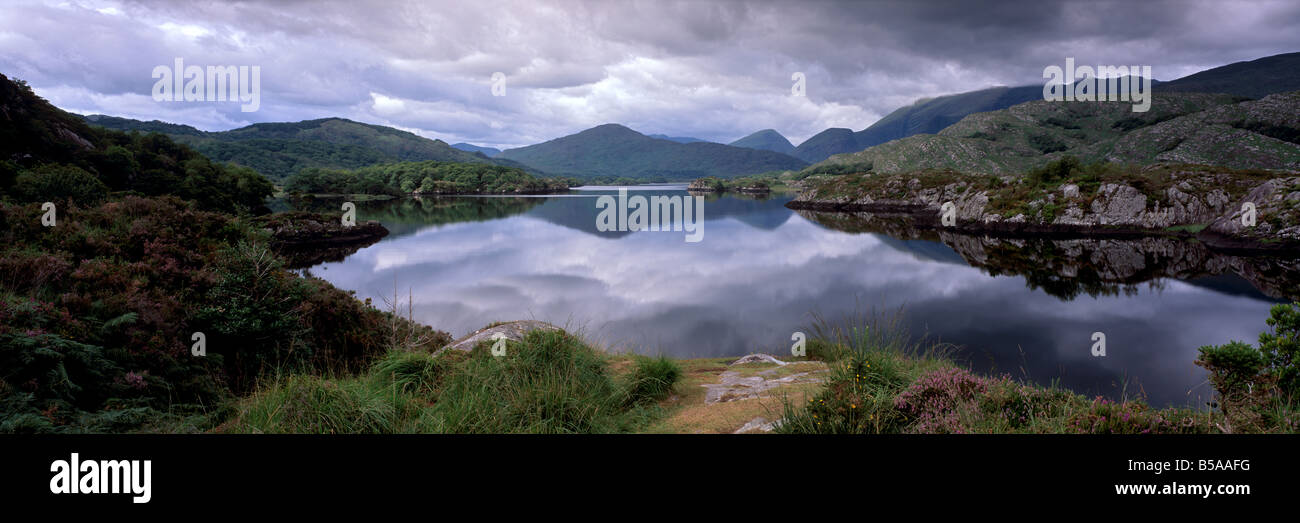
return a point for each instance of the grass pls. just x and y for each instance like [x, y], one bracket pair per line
[549, 382]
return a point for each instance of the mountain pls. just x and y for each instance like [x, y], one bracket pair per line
[487, 151]
[1195, 128]
[1253, 79]
[766, 140]
[678, 139]
[279, 149]
[615, 150]
[928, 115]
[822, 145]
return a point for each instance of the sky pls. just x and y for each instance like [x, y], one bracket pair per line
[715, 70]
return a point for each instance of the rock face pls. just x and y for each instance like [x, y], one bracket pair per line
[1277, 217]
[1192, 198]
[514, 331]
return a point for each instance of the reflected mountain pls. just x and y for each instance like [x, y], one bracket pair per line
[403, 216]
[1069, 268]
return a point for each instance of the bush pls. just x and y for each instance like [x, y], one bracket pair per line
[59, 183]
[1281, 348]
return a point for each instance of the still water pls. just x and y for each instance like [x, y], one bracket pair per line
[1024, 307]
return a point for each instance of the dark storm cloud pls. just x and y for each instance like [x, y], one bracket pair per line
[716, 70]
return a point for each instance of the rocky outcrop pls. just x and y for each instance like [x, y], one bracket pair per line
[306, 238]
[1191, 200]
[1277, 218]
[514, 331]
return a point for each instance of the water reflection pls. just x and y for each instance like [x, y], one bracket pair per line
[761, 269]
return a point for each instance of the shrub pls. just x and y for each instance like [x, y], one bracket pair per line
[1281, 347]
[59, 183]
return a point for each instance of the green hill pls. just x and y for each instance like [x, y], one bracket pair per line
[47, 154]
[1209, 129]
[279, 149]
[615, 150]
[766, 140]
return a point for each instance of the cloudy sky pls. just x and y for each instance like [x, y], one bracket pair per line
[712, 70]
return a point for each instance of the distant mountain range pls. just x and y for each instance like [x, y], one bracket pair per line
[279, 149]
[617, 151]
[1254, 79]
[487, 151]
[766, 140]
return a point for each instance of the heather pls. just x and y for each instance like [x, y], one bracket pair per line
[882, 383]
[97, 317]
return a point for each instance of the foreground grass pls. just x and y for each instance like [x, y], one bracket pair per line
[550, 382]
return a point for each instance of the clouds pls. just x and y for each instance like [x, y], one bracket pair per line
[715, 70]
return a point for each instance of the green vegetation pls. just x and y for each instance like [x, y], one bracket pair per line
[613, 150]
[1259, 386]
[549, 382]
[96, 321]
[278, 150]
[882, 384]
[422, 177]
[47, 154]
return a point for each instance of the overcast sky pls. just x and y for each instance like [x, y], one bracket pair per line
[712, 70]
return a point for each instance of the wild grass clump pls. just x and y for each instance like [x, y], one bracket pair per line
[549, 382]
[652, 379]
[306, 404]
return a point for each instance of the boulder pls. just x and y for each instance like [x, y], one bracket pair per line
[514, 330]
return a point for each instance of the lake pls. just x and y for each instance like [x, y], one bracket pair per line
[1028, 308]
